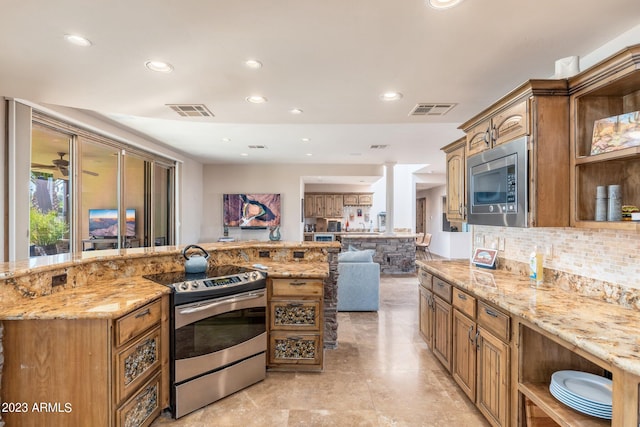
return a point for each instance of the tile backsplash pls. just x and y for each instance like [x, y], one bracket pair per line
[605, 255]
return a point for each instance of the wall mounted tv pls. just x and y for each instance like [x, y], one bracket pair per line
[104, 222]
[251, 210]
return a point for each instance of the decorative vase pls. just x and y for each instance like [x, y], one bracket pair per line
[274, 234]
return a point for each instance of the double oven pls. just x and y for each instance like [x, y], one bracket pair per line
[218, 334]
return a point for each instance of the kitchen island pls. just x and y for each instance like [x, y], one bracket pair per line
[530, 331]
[96, 332]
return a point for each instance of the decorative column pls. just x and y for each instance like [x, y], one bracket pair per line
[389, 180]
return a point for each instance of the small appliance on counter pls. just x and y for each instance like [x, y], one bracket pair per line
[334, 226]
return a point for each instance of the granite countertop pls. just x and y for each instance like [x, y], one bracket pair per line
[607, 331]
[99, 300]
[114, 298]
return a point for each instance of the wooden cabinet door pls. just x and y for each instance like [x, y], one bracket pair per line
[318, 205]
[365, 199]
[456, 185]
[350, 199]
[510, 123]
[309, 206]
[479, 138]
[442, 332]
[338, 205]
[493, 378]
[426, 316]
[463, 366]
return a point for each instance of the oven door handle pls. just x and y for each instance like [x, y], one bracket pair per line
[221, 301]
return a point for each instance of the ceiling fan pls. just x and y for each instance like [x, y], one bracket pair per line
[61, 164]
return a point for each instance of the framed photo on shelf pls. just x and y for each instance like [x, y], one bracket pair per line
[485, 258]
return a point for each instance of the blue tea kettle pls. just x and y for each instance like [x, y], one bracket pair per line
[195, 263]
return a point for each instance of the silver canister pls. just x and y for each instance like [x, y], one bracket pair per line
[601, 203]
[614, 213]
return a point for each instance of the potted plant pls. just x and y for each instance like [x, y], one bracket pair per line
[45, 229]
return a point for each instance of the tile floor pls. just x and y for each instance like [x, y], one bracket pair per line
[381, 374]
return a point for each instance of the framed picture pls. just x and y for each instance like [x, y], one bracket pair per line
[616, 133]
[486, 258]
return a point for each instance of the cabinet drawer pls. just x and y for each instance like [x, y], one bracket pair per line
[297, 287]
[426, 279]
[143, 407]
[464, 302]
[295, 315]
[136, 363]
[442, 289]
[511, 123]
[292, 348]
[494, 320]
[134, 323]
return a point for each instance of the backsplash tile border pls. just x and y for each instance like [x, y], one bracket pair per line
[601, 264]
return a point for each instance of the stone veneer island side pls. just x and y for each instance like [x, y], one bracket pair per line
[396, 253]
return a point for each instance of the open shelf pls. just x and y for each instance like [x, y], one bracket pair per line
[564, 416]
[608, 89]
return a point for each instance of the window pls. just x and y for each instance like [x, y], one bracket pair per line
[88, 192]
[49, 192]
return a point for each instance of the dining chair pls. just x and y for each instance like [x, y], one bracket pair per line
[424, 245]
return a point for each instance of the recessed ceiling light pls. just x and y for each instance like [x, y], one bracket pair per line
[391, 96]
[305, 139]
[253, 63]
[226, 139]
[443, 4]
[77, 40]
[244, 154]
[309, 154]
[256, 99]
[296, 111]
[159, 66]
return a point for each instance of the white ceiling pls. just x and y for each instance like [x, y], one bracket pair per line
[330, 58]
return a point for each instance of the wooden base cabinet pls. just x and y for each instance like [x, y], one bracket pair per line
[295, 324]
[442, 332]
[81, 372]
[472, 341]
[493, 378]
[463, 368]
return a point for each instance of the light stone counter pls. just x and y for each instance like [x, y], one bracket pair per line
[607, 331]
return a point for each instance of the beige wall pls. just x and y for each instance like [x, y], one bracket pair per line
[285, 179]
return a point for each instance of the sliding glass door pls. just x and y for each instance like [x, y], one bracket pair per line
[49, 192]
[88, 192]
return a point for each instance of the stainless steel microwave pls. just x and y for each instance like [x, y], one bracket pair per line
[497, 185]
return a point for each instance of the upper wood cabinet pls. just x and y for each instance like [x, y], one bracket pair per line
[456, 180]
[323, 205]
[538, 109]
[609, 88]
[504, 126]
[358, 199]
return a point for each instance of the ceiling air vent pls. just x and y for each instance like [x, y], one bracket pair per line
[258, 147]
[426, 109]
[191, 110]
[378, 146]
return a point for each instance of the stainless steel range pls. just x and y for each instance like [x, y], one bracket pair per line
[219, 339]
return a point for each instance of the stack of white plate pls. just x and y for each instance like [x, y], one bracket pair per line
[584, 392]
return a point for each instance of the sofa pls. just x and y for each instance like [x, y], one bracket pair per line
[358, 281]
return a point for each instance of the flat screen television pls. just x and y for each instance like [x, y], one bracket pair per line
[104, 222]
[251, 210]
